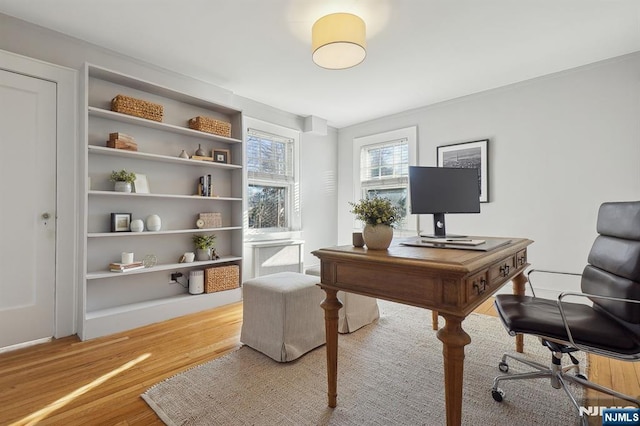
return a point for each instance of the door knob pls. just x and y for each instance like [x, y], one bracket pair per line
[45, 215]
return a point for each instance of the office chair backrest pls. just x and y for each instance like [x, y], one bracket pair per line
[614, 260]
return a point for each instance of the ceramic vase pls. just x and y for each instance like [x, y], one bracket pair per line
[153, 222]
[203, 254]
[137, 225]
[377, 237]
[120, 186]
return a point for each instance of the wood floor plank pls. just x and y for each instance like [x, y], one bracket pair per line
[100, 381]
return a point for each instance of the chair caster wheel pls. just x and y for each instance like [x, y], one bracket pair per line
[581, 376]
[497, 394]
[503, 366]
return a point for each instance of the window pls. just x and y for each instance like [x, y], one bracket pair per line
[271, 171]
[383, 169]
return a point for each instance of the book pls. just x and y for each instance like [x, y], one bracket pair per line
[122, 144]
[126, 269]
[117, 265]
[201, 158]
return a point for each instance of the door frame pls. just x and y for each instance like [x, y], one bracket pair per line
[67, 175]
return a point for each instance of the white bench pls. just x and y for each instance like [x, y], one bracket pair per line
[282, 317]
[357, 310]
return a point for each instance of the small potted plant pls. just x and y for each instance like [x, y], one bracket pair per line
[123, 180]
[379, 216]
[204, 246]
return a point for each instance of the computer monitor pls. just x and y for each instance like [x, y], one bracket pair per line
[442, 190]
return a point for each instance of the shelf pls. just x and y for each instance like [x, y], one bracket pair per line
[123, 118]
[159, 268]
[108, 305]
[173, 231]
[96, 71]
[202, 301]
[102, 150]
[133, 194]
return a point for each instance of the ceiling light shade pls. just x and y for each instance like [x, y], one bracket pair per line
[338, 41]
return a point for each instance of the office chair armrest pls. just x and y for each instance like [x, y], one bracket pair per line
[587, 295]
[545, 271]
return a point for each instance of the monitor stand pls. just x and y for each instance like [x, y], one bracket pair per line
[439, 228]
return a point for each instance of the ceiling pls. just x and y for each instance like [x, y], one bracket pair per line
[419, 52]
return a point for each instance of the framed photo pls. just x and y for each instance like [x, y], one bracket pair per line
[469, 155]
[120, 222]
[141, 184]
[221, 156]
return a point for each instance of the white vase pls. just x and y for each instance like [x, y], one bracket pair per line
[137, 225]
[153, 222]
[377, 237]
[122, 186]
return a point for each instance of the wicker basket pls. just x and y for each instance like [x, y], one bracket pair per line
[211, 220]
[221, 278]
[137, 107]
[211, 125]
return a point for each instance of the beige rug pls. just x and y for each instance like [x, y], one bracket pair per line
[389, 373]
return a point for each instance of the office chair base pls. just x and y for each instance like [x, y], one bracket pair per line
[558, 376]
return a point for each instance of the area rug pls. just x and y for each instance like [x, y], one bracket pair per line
[389, 373]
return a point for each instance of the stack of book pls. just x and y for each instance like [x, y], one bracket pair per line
[205, 187]
[122, 141]
[125, 267]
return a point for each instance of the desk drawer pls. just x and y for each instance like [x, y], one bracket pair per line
[521, 258]
[476, 285]
[501, 270]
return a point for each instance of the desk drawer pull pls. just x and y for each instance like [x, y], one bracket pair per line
[504, 270]
[480, 288]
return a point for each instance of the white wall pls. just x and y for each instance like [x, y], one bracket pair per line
[318, 152]
[559, 146]
[319, 181]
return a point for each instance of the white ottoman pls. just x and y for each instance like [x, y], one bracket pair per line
[282, 317]
[357, 310]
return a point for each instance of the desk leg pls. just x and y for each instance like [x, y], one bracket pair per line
[454, 339]
[434, 320]
[331, 306]
[519, 282]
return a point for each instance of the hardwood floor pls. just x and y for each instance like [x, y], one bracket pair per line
[99, 382]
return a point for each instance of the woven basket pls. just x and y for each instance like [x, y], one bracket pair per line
[137, 107]
[211, 220]
[211, 125]
[221, 278]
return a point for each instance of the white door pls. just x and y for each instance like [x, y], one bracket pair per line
[27, 208]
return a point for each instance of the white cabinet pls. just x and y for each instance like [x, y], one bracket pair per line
[112, 301]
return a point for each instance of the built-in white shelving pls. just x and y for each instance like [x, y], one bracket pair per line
[157, 268]
[150, 233]
[114, 301]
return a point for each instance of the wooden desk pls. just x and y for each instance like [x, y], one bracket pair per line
[450, 281]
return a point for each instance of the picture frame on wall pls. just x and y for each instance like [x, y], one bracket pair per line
[120, 222]
[469, 155]
[221, 156]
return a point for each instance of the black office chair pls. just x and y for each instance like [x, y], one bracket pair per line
[608, 325]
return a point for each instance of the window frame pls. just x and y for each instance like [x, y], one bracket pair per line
[292, 202]
[408, 133]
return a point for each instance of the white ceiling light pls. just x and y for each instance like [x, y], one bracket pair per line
[338, 41]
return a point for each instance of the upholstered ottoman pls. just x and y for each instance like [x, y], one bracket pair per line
[357, 310]
[282, 317]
